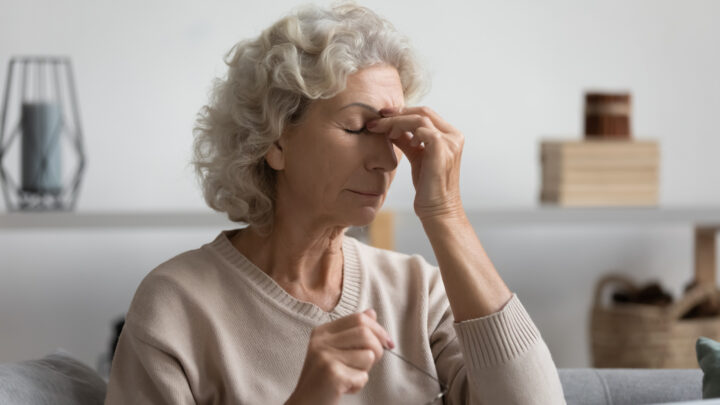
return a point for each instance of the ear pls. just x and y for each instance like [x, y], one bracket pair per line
[275, 157]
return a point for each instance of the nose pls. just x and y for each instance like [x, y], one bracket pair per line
[380, 153]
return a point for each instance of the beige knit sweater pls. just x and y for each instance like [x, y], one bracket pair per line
[209, 327]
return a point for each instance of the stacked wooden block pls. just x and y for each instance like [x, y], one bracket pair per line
[608, 167]
[601, 172]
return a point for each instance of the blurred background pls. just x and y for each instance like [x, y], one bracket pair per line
[508, 74]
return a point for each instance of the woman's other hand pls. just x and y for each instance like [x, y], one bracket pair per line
[339, 356]
[435, 163]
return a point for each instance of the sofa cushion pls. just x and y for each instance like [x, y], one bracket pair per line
[708, 355]
[57, 378]
[629, 386]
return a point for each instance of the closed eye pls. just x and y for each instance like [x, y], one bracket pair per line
[359, 131]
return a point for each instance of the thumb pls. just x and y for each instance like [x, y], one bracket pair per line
[403, 142]
[371, 313]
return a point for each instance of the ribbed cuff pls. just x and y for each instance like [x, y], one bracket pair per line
[497, 338]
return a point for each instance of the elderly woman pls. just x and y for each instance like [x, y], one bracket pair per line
[301, 141]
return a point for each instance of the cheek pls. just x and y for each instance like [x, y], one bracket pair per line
[304, 168]
[323, 168]
[342, 158]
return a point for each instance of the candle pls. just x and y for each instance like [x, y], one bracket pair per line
[40, 164]
[607, 115]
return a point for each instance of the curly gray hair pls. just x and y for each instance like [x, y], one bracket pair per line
[270, 82]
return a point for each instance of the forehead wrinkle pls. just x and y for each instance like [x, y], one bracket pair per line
[363, 105]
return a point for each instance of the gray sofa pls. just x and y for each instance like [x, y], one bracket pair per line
[60, 379]
[599, 386]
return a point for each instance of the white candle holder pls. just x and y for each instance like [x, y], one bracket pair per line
[41, 90]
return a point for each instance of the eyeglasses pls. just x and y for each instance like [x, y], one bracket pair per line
[443, 388]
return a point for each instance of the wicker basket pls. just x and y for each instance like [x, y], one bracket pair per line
[625, 335]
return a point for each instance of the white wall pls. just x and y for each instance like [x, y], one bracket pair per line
[506, 73]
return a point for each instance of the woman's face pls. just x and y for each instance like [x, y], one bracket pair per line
[333, 176]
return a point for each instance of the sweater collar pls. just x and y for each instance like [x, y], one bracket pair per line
[270, 290]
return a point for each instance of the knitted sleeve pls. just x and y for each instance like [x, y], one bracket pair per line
[500, 358]
[142, 373]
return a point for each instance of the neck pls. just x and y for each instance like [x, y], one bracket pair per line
[307, 257]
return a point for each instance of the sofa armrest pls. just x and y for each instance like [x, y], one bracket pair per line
[57, 379]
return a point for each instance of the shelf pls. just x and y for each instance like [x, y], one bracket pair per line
[542, 215]
[24, 220]
[554, 215]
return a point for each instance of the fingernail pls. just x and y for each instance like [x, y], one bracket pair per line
[372, 124]
[391, 344]
[389, 110]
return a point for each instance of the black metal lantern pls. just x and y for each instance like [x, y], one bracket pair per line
[41, 90]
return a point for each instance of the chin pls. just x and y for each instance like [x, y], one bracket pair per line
[363, 216]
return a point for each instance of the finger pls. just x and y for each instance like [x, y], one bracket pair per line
[436, 119]
[352, 379]
[358, 338]
[395, 125]
[359, 319]
[425, 135]
[403, 142]
[358, 359]
[398, 132]
[411, 152]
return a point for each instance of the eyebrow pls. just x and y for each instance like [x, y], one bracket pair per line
[363, 105]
